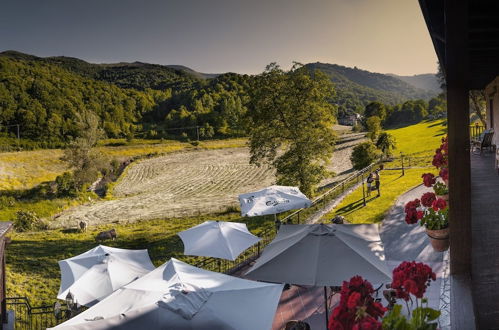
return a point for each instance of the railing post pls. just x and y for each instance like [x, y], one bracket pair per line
[363, 191]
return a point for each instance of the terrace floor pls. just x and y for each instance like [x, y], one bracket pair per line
[485, 240]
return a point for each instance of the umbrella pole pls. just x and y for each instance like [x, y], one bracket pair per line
[325, 304]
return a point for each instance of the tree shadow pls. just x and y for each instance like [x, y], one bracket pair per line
[354, 206]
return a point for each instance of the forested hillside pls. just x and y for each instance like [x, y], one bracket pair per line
[356, 88]
[45, 95]
[425, 81]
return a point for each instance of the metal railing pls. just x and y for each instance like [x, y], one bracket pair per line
[476, 130]
[27, 317]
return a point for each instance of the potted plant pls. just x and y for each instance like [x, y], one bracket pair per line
[358, 309]
[441, 191]
[410, 280]
[433, 213]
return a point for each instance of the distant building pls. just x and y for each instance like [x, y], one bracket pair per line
[350, 120]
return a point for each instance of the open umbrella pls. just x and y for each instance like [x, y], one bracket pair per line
[180, 296]
[272, 200]
[93, 275]
[218, 239]
[322, 255]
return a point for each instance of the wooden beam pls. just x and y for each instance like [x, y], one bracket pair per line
[457, 74]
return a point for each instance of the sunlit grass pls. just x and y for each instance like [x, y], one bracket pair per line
[393, 184]
[419, 140]
[422, 138]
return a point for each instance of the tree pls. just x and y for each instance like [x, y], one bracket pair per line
[364, 155]
[386, 143]
[375, 109]
[373, 127]
[291, 124]
[478, 104]
[86, 162]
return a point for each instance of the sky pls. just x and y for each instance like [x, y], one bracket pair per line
[214, 36]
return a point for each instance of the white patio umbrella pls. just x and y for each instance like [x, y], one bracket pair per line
[272, 200]
[322, 255]
[218, 239]
[180, 296]
[93, 275]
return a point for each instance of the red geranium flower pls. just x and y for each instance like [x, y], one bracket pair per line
[444, 173]
[412, 278]
[357, 308]
[439, 204]
[428, 198]
[411, 212]
[428, 179]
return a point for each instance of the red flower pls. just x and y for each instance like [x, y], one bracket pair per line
[357, 308]
[353, 300]
[428, 179]
[439, 204]
[428, 198]
[444, 173]
[411, 212]
[412, 278]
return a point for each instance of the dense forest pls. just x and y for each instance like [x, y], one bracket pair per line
[44, 96]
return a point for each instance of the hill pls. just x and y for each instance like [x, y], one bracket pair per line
[426, 81]
[45, 95]
[355, 87]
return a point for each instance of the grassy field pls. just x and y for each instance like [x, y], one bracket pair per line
[26, 169]
[32, 268]
[419, 140]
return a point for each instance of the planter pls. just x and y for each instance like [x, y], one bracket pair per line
[444, 197]
[439, 239]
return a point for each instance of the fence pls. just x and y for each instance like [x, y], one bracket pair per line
[476, 130]
[28, 317]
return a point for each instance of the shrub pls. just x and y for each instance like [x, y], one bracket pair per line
[28, 220]
[7, 201]
[66, 185]
[363, 155]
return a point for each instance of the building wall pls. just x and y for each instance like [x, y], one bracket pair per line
[492, 94]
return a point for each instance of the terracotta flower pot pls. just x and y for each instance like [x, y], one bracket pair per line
[444, 197]
[439, 239]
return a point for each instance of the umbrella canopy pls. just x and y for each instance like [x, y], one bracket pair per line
[272, 200]
[93, 275]
[180, 296]
[217, 239]
[322, 255]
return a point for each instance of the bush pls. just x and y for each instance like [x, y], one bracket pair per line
[7, 201]
[27, 220]
[66, 186]
[363, 155]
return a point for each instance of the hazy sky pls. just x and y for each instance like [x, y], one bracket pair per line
[387, 36]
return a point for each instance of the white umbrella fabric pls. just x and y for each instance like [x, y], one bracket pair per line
[272, 200]
[180, 296]
[218, 239]
[93, 275]
[322, 255]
